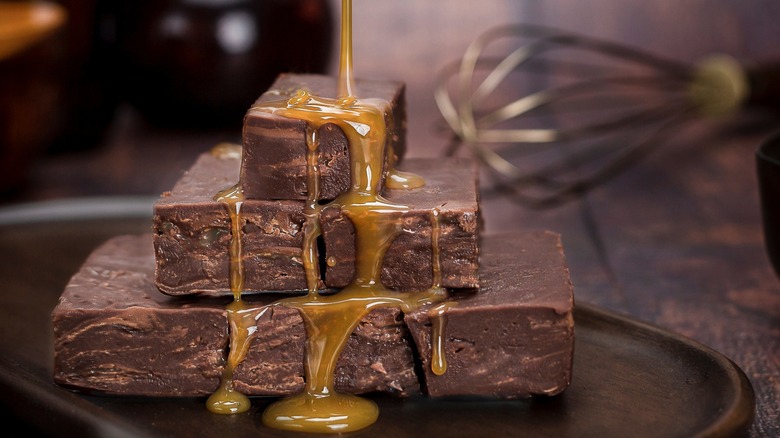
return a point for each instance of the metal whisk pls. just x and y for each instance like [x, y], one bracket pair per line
[608, 105]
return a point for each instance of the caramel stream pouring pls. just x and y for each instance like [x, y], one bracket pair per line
[331, 318]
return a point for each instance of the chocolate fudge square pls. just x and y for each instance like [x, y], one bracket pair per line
[115, 333]
[515, 336]
[192, 233]
[274, 161]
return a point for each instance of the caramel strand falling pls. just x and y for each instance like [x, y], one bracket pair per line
[346, 81]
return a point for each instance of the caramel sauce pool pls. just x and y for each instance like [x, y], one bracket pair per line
[330, 319]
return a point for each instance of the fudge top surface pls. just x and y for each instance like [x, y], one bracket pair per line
[516, 269]
[287, 84]
[450, 184]
[119, 275]
[521, 269]
[210, 173]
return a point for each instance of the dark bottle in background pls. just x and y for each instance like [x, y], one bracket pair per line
[87, 68]
[191, 64]
[57, 94]
[202, 63]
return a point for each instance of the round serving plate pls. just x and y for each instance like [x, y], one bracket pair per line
[629, 379]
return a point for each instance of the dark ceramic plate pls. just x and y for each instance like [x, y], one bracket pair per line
[630, 378]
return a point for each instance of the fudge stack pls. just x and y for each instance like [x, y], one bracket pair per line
[145, 314]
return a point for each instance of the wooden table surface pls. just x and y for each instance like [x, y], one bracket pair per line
[675, 241]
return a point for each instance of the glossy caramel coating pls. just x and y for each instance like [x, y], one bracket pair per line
[330, 319]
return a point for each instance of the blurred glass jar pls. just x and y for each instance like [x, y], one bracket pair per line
[202, 63]
[56, 91]
[30, 91]
[87, 66]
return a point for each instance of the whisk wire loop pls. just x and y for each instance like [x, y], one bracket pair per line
[599, 156]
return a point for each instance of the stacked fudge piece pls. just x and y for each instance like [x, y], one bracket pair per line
[145, 314]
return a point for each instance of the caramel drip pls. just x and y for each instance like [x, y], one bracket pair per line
[226, 400]
[311, 227]
[437, 313]
[398, 179]
[233, 198]
[435, 248]
[437, 316]
[243, 327]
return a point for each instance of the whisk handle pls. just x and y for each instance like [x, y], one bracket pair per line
[764, 83]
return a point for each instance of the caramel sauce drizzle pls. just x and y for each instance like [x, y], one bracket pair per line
[437, 316]
[311, 227]
[330, 319]
[226, 400]
[437, 313]
[398, 179]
